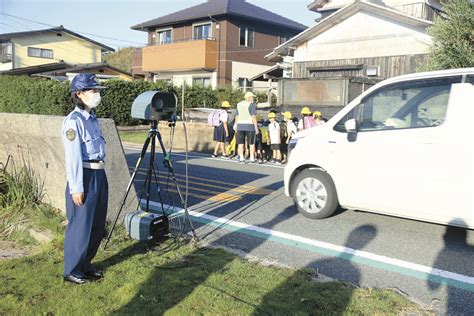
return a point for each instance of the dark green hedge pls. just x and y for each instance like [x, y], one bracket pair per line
[19, 94]
[37, 96]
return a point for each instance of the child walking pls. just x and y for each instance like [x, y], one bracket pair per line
[275, 141]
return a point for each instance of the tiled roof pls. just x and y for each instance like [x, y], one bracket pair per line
[59, 29]
[222, 7]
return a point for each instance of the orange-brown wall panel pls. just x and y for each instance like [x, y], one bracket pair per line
[180, 56]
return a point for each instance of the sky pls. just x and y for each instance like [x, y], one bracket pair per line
[109, 21]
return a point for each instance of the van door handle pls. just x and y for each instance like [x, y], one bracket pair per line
[331, 141]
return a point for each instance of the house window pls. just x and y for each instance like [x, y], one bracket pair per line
[282, 40]
[247, 35]
[202, 81]
[202, 31]
[6, 52]
[163, 37]
[372, 71]
[244, 84]
[40, 52]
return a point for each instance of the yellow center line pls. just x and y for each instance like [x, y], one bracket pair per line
[240, 188]
[217, 197]
[245, 189]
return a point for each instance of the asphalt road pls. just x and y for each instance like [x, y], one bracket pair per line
[243, 207]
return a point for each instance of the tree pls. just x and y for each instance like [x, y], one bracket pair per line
[453, 37]
[121, 59]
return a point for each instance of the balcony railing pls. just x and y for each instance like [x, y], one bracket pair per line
[184, 40]
[180, 56]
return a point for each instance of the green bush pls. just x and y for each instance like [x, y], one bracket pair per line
[453, 37]
[234, 96]
[196, 96]
[20, 94]
[36, 96]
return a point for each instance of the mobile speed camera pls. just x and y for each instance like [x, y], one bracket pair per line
[155, 106]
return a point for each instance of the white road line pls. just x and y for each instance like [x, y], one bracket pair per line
[266, 165]
[335, 248]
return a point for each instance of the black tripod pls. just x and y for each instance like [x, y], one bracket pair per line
[153, 134]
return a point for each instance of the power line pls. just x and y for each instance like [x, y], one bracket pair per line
[96, 35]
[65, 48]
[14, 27]
[234, 49]
[120, 40]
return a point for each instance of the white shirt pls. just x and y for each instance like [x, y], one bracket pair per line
[274, 131]
[291, 128]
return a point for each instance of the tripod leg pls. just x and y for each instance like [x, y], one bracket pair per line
[159, 190]
[175, 181]
[130, 183]
[150, 169]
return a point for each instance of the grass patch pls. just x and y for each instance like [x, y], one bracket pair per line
[21, 207]
[178, 278]
[174, 277]
[137, 137]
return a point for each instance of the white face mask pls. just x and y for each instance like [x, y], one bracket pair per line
[92, 99]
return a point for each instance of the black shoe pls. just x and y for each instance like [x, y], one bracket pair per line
[75, 279]
[94, 275]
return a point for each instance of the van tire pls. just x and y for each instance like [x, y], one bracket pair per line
[314, 194]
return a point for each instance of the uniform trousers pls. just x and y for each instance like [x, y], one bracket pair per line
[86, 223]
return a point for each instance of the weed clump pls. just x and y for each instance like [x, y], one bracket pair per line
[21, 198]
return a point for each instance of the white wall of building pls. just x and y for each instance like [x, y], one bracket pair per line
[6, 66]
[364, 34]
[392, 3]
[247, 70]
[178, 78]
[395, 3]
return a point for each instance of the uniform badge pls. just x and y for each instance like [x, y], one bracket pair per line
[71, 134]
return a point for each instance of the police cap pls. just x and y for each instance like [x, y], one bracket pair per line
[84, 82]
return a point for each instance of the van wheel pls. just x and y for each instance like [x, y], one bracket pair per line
[314, 194]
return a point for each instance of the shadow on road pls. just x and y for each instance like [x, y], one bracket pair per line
[205, 183]
[456, 255]
[325, 303]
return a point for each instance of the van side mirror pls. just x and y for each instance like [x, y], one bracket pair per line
[351, 126]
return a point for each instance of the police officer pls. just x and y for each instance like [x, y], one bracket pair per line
[87, 187]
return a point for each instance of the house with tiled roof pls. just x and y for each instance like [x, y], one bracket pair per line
[48, 49]
[354, 44]
[215, 43]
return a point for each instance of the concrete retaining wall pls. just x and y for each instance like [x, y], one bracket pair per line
[37, 140]
[200, 136]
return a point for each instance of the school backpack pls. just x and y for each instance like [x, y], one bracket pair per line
[213, 119]
[283, 131]
[308, 122]
[265, 134]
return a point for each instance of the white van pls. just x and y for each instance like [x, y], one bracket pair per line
[403, 148]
